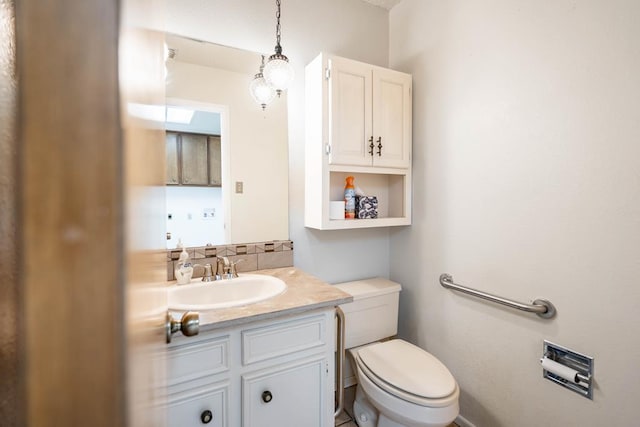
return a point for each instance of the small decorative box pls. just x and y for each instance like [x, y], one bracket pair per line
[366, 207]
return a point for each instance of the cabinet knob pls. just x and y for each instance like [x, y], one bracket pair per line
[267, 396]
[206, 417]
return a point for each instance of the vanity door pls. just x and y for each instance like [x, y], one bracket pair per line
[288, 395]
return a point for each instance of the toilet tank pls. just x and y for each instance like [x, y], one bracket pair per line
[373, 314]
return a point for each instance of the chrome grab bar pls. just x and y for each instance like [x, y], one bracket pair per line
[340, 364]
[541, 307]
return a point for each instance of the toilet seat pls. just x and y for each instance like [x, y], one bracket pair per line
[408, 372]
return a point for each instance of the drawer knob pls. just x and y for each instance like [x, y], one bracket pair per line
[206, 417]
[267, 396]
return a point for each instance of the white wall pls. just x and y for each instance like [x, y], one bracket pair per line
[349, 28]
[187, 206]
[526, 184]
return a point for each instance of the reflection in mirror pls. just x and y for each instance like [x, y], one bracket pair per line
[194, 173]
[227, 160]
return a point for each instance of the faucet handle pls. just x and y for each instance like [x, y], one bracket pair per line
[208, 275]
[233, 272]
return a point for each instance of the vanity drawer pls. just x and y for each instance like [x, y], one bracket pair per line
[208, 405]
[199, 359]
[283, 338]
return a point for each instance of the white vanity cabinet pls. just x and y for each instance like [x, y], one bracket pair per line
[358, 122]
[267, 373]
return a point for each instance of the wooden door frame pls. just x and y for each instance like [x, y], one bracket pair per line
[69, 216]
[11, 412]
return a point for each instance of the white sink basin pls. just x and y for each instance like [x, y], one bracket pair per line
[246, 289]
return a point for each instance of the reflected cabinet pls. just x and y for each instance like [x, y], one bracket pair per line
[193, 159]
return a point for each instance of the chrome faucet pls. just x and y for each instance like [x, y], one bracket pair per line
[222, 268]
[225, 269]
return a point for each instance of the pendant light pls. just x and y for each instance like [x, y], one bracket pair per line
[278, 72]
[260, 90]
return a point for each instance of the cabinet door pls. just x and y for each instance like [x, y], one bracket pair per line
[215, 161]
[391, 118]
[172, 158]
[207, 406]
[290, 395]
[350, 112]
[194, 159]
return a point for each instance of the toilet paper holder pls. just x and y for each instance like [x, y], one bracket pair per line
[568, 368]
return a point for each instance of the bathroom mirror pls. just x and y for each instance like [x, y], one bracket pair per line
[251, 205]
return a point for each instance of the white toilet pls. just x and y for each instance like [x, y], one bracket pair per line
[399, 384]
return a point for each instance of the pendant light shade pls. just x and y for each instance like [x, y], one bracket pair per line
[278, 72]
[260, 90]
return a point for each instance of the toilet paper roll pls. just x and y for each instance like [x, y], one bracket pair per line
[336, 210]
[560, 370]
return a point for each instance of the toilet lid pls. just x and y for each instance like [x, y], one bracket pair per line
[408, 368]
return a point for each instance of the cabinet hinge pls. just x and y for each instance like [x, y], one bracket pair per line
[327, 73]
[327, 149]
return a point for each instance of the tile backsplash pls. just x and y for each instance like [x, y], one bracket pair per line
[249, 256]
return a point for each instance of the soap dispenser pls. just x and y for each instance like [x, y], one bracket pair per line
[184, 269]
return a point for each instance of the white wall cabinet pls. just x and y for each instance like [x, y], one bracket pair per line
[370, 115]
[269, 373]
[358, 122]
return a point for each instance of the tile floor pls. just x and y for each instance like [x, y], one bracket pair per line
[345, 419]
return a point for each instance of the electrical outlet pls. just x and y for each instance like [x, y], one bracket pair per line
[208, 213]
[239, 187]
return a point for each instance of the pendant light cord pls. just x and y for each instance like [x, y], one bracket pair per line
[278, 47]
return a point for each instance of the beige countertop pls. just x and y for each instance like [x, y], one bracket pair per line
[304, 292]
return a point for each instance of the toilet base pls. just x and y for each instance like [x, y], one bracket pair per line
[376, 408]
[364, 414]
[386, 422]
